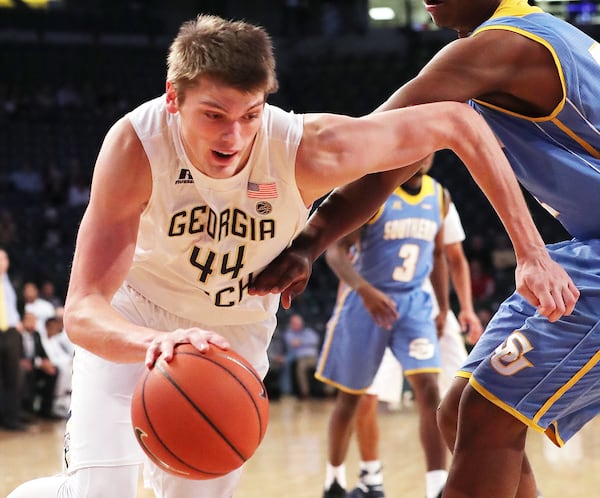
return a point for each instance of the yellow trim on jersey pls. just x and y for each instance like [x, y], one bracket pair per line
[330, 327]
[561, 75]
[341, 387]
[551, 117]
[443, 212]
[588, 147]
[516, 8]
[415, 371]
[427, 188]
[557, 395]
[551, 432]
[377, 215]
[500, 404]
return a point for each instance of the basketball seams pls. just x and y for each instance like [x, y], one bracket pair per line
[159, 439]
[189, 402]
[198, 410]
[263, 393]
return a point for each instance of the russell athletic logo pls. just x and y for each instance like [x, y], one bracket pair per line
[184, 177]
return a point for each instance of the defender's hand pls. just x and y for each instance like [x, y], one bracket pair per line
[546, 285]
[287, 274]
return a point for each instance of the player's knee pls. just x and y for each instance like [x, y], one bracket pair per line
[426, 389]
[45, 487]
[346, 405]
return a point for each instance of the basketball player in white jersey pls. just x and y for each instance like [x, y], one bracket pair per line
[193, 194]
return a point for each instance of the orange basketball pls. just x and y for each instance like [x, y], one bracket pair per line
[201, 415]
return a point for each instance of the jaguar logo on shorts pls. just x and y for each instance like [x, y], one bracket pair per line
[264, 207]
[421, 349]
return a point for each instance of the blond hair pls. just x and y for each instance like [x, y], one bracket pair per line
[236, 53]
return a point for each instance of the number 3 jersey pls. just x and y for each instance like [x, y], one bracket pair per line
[395, 251]
[201, 240]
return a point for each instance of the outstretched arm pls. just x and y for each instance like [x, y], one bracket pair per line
[400, 137]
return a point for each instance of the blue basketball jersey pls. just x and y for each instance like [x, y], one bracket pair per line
[555, 157]
[395, 255]
[546, 373]
[395, 249]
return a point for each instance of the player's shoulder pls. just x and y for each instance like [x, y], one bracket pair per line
[281, 124]
[149, 118]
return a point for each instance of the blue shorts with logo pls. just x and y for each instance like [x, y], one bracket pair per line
[354, 344]
[546, 374]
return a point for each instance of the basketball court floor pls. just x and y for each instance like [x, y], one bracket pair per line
[291, 460]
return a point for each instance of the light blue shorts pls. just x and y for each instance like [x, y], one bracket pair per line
[354, 344]
[546, 374]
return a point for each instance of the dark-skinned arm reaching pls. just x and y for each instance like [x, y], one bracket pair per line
[459, 72]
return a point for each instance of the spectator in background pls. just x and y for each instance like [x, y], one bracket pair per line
[79, 190]
[10, 350]
[48, 292]
[53, 229]
[41, 308]
[27, 180]
[302, 346]
[55, 184]
[39, 373]
[60, 352]
[8, 228]
[277, 359]
[68, 98]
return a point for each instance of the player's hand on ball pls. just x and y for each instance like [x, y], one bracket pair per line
[164, 343]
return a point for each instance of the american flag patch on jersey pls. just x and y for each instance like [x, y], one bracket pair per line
[262, 190]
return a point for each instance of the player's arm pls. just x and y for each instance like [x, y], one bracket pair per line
[439, 271]
[498, 65]
[461, 280]
[334, 145]
[337, 149]
[461, 275]
[338, 258]
[379, 305]
[121, 187]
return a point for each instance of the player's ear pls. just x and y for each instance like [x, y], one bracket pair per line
[171, 96]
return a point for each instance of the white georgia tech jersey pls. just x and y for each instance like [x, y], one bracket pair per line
[201, 239]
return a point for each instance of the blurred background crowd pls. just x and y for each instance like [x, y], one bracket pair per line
[71, 67]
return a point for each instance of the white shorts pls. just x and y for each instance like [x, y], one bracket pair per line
[387, 385]
[99, 431]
